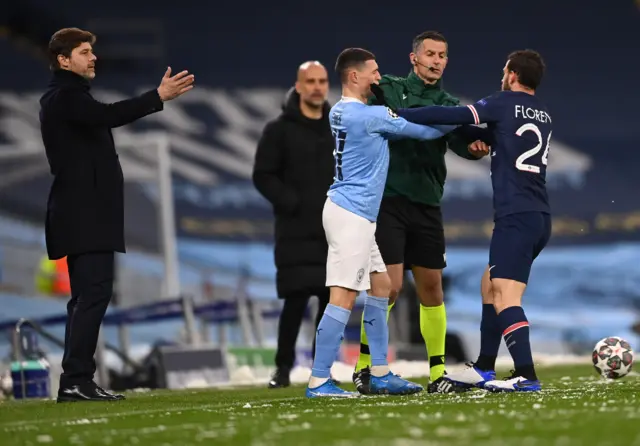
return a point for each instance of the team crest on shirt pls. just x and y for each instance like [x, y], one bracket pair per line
[360, 275]
[392, 113]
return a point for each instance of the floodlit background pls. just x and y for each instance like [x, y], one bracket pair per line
[584, 286]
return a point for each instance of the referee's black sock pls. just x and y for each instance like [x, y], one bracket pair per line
[364, 360]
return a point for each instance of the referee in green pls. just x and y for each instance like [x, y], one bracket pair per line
[410, 231]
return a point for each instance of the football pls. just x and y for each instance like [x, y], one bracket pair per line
[612, 357]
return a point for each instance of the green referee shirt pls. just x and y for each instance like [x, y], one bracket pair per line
[417, 169]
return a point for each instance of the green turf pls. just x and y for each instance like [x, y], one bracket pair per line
[576, 407]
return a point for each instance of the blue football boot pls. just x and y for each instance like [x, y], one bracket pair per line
[329, 390]
[513, 384]
[391, 384]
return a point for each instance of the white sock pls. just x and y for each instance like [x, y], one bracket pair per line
[380, 370]
[316, 382]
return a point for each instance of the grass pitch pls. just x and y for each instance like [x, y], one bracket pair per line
[576, 407]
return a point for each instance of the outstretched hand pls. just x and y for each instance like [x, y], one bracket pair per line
[173, 86]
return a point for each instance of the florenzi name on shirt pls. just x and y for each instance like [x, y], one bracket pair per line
[532, 113]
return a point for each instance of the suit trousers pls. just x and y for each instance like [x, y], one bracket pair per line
[91, 276]
[290, 322]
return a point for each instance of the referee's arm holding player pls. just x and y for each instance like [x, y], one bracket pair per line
[85, 208]
[410, 230]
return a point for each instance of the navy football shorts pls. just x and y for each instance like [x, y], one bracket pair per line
[517, 240]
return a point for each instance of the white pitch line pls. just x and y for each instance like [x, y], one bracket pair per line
[20, 423]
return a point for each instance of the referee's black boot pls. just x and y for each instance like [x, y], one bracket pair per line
[281, 378]
[362, 380]
[443, 385]
[86, 391]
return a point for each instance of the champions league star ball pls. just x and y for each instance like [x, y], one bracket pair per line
[612, 357]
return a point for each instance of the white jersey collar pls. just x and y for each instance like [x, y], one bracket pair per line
[350, 99]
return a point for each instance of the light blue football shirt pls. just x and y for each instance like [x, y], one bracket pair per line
[362, 152]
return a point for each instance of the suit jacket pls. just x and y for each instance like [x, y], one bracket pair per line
[85, 209]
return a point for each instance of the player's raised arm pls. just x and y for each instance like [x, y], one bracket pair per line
[485, 110]
[384, 121]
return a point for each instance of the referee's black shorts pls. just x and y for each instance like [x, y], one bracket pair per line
[410, 233]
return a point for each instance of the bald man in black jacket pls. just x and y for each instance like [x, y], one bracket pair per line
[293, 170]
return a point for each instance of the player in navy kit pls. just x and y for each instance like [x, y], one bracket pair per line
[519, 131]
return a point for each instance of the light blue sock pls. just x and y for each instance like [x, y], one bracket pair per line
[329, 335]
[375, 325]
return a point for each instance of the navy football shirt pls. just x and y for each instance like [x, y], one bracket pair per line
[519, 131]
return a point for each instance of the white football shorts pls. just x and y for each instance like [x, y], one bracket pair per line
[353, 251]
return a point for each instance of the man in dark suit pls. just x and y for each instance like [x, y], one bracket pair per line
[85, 210]
[293, 170]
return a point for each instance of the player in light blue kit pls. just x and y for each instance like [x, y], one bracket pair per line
[349, 218]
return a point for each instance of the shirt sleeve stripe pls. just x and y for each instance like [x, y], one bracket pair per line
[475, 114]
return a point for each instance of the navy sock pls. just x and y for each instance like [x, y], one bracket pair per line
[515, 330]
[329, 335]
[490, 337]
